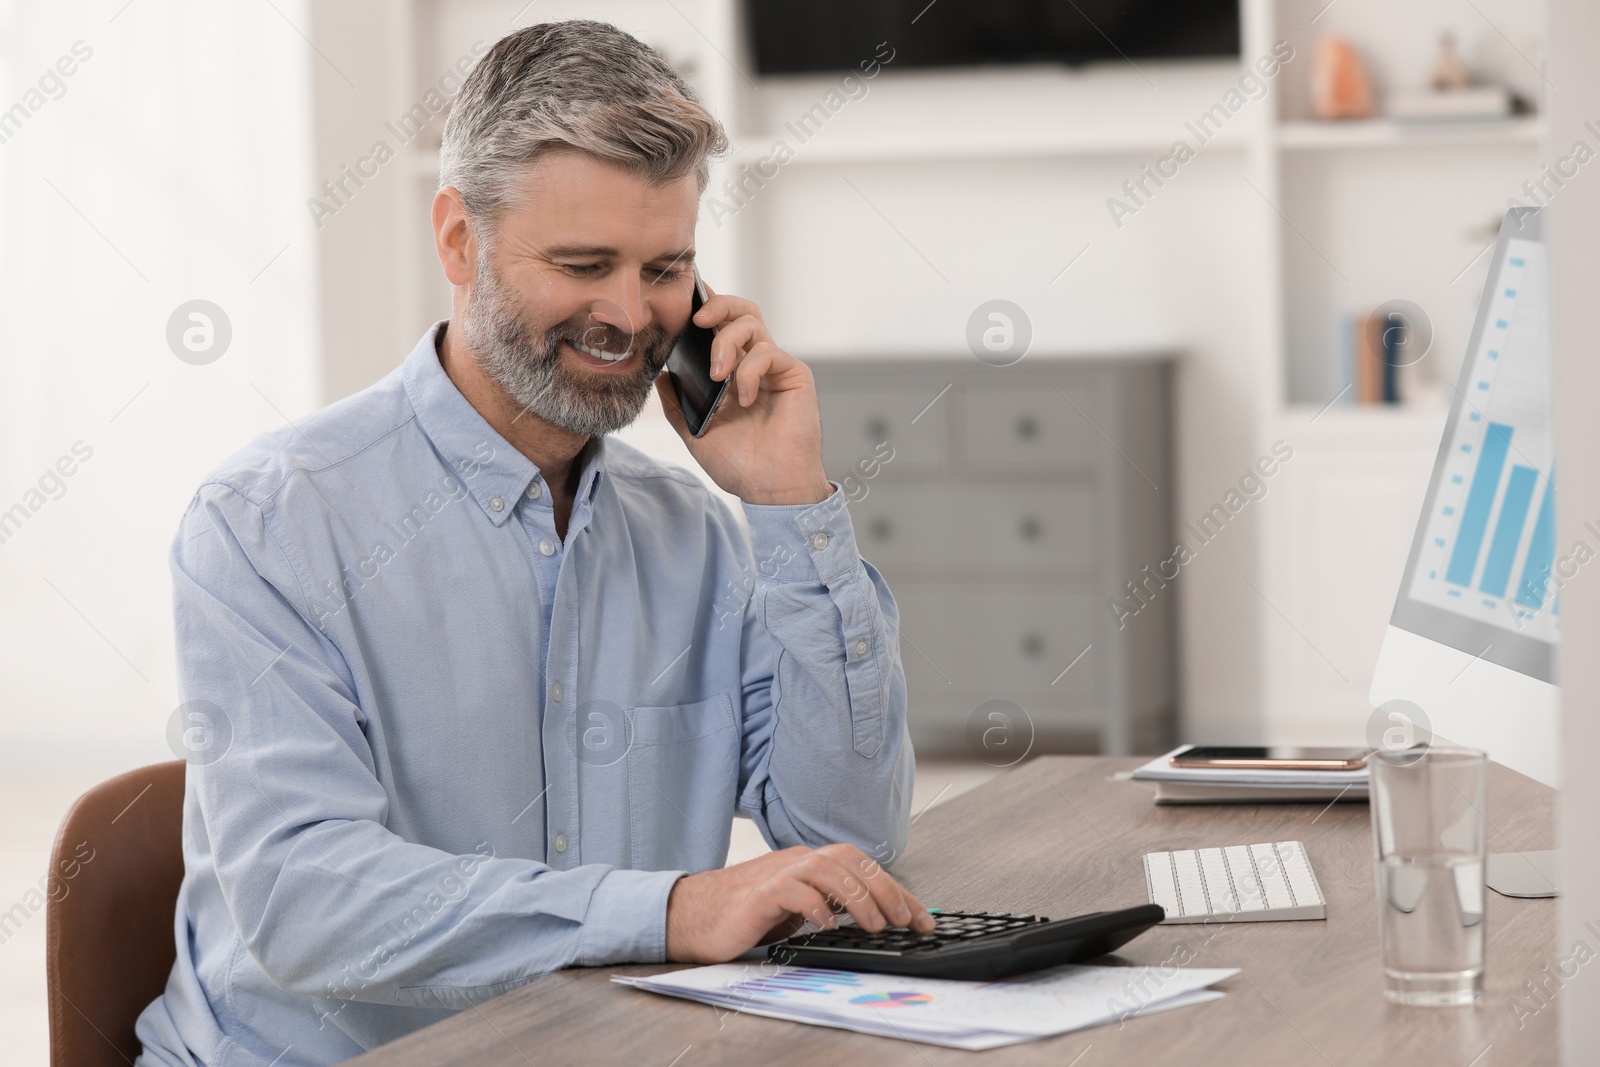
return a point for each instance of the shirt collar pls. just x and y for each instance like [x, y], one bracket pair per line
[494, 472]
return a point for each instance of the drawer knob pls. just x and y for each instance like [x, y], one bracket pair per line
[1033, 646]
[1027, 428]
[1030, 528]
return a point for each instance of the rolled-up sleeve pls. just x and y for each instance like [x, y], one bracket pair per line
[327, 900]
[827, 756]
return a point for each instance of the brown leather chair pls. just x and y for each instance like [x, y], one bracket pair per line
[113, 893]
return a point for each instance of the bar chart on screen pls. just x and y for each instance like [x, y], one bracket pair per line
[1491, 541]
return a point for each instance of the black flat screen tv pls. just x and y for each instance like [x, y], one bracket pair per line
[800, 36]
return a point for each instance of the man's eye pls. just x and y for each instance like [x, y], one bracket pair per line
[669, 274]
[583, 269]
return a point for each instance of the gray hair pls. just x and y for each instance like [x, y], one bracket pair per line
[574, 84]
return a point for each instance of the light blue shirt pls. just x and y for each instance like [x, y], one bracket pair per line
[438, 750]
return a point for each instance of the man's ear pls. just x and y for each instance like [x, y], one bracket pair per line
[453, 237]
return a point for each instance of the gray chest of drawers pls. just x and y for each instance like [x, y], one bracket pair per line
[1009, 508]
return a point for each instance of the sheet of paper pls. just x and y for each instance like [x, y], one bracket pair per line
[961, 1014]
[885, 1025]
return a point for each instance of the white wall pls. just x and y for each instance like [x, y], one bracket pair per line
[364, 259]
[162, 174]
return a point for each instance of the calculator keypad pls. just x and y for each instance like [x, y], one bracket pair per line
[949, 927]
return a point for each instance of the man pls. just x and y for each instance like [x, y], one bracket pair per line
[482, 690]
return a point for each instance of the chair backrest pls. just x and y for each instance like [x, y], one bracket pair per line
[112, 897]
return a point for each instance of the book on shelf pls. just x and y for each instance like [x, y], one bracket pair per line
[1369, 360]
[1483, 103]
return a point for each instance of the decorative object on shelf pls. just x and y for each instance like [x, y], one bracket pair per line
[1449, 72]
[1340, 88]
[1451, 95]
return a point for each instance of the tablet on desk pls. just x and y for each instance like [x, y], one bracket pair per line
[1272, 758]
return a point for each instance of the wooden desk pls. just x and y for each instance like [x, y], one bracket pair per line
[1055, 837]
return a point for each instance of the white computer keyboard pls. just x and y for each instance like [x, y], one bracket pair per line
[1239, 883]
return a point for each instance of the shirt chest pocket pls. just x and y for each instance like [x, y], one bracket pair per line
[683, 778]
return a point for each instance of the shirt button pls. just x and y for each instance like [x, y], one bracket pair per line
[534, 491]
[555, 691]
[819, 540]
[547, 547]
[497, 504]
[561, 842]
[861, 648]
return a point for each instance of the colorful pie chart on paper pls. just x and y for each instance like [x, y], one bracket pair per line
[893, 1000]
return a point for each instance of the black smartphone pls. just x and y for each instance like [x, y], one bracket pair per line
[1272, 758]
[689, 364]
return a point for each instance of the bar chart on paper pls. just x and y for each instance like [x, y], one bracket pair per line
[1490, 548]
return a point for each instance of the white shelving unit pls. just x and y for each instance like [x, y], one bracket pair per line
[1368, 211]
[967, 185]
[1042, 144]
[1386, 133]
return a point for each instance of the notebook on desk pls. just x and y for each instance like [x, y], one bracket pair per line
[1181, 793]
[1206, 785]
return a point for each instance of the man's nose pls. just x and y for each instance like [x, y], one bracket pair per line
[623, 306]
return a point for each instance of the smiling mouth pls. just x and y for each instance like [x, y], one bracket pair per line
[602, 354]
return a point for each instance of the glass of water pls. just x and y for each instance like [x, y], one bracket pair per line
[1428, 843]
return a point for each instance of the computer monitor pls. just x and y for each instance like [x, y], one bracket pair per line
[1472, 640]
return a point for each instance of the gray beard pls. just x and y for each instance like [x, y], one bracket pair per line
[531, 370]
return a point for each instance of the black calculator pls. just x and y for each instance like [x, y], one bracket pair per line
[971, 945]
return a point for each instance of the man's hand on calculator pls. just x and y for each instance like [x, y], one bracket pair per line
[716, 916]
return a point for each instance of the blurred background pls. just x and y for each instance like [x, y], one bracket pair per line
[1080, 288]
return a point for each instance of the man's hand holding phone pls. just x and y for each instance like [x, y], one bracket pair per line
[764, 441]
